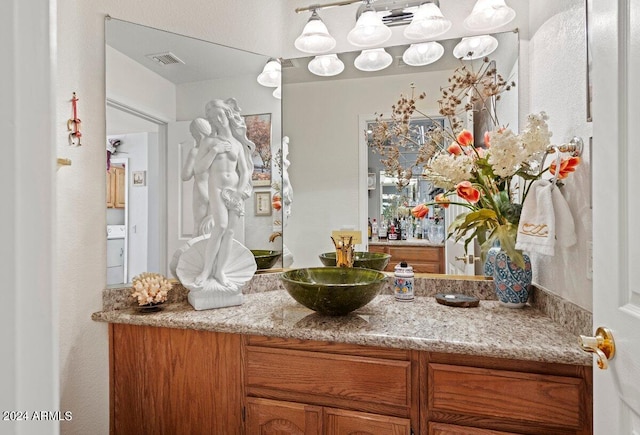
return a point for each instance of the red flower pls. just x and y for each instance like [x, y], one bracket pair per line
[465, 138]
[466, 191]
[442, 200]
[487, 137]
[454, 148]
[276, 201]
[567, 166]
[420, 211]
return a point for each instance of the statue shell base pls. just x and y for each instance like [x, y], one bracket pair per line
[239, 269]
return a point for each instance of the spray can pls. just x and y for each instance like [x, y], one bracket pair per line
[403, 282]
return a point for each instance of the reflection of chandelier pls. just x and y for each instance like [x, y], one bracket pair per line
[424, 21]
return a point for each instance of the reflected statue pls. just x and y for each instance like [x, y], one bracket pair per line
[287, 198]
[200, 130]
[214, 266]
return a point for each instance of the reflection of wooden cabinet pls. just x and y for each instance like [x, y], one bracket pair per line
[116, 187]
[423, 259]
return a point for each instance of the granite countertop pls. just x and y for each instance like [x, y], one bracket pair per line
[489, 330]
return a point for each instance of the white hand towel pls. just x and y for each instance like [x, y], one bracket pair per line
[536, 230]
[565, 229]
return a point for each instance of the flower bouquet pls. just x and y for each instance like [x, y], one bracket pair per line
[490, 181]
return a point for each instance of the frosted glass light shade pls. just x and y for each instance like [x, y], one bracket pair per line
[315, 37]
[277, 93]
[489, 15]
[428, 22]
[373, 60]
[422, 54]
[271, 74]
[326, 65]
[369, 30]
[475, 47]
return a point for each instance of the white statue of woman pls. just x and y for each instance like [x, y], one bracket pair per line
[287, 190]
[229, 166]
[200, 130]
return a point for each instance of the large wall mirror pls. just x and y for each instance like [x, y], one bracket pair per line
[326, 118]
[157, 82]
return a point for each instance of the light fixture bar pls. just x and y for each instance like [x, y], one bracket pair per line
[327, 5]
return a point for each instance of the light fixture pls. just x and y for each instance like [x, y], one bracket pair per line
[277, 93]
[475, 47]
[315, 37]
[271, 74]
[489, 15]
[373, 60]
[326, 65]
[428, 22]
[422, 54]
[369, 30]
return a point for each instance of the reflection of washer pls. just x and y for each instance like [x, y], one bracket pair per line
[371, 181]
[115, 253]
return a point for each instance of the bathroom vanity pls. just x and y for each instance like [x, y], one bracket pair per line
[273, 366]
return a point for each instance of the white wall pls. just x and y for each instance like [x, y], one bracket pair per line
[81, 247]
[557, 85]
[29, 311]
[321, 119]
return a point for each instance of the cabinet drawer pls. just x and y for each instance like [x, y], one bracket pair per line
[426, 267]
[423, 254]
[450, 429]
[499, 395]
[316, 376]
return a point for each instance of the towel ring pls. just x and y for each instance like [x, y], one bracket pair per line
[574, 147]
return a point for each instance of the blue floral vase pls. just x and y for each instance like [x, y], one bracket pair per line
[511, 282]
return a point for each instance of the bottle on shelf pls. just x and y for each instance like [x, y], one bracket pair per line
[369, 229]
[382, 230]
[374, 229]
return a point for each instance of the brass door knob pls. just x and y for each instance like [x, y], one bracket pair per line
[602, 345]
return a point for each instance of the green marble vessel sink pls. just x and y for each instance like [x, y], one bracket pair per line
[265, 259]
[366, 260]
[333, 291]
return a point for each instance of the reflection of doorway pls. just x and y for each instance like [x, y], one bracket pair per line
[143, 143]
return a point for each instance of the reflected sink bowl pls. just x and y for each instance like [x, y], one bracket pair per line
[333, 291]
[366, 260]
[265, 259]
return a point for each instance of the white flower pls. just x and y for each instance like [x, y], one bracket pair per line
[446, 170]
[509, 151]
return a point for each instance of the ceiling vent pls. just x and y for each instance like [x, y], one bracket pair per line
[288, 63]
[166, 58]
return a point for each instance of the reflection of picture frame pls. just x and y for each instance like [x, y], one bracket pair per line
[139, 178]
[262, 203]
[259, 132]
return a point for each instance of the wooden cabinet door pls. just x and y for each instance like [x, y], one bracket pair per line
[111, 187]
[273, 417]
[342, 422]
[120, 188]
[174, 381]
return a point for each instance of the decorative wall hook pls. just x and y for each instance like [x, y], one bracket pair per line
[73, 124]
